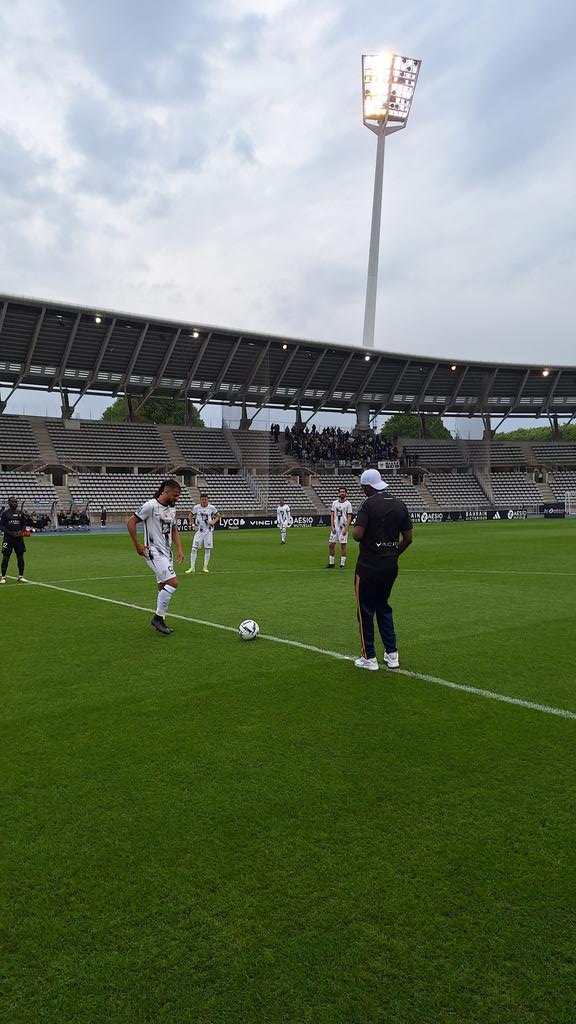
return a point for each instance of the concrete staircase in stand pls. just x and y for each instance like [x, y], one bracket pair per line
[48, 455]
[176, 458]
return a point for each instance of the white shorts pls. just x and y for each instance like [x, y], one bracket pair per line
[338, 537]
[285, 526]
[161, 565]
[203, 539]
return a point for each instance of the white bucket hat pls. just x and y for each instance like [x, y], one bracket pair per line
[372, 478]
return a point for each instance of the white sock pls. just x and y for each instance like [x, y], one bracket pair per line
[283, 534]
[342, 561]
[164, 597]
[331, 560]
[206, 557]
[193, 554]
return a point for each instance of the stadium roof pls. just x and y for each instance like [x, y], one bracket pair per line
[83, 350]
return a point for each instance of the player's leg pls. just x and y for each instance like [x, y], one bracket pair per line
[342, 555]
[163, 569]
[6, 552]
[384, 616]
[283, 535]
[196, 543]
[208, 544]
[331, 549]
[365, 608]
[20, 548]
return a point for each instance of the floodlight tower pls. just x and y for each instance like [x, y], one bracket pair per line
[388, 84]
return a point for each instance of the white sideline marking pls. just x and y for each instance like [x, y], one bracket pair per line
[489, 694]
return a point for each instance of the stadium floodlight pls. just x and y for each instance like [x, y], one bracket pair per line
[388, 85]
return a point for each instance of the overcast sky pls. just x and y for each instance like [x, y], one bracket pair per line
[206, 160]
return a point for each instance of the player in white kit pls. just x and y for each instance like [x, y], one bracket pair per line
[340, 519]
[159, 518]
[283, 519]
[203, 519]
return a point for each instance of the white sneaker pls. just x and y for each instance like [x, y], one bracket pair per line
[2, 579]
[205, 569]
[370, 663]
[392, 660]
[191, 569]
[22, 579]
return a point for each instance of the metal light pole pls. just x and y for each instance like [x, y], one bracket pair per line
[388, 82]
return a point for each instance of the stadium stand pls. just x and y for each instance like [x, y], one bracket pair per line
[91, 443]
[514, 489]
[435, 454]
[498, 454]
[258, 450]
[26, 486]
[17, 442]
[561, 482]
[120, 492]
[327, 490]
[230, 494]
[560, 453]
[275, 487]
[456, 490]
[204, 448]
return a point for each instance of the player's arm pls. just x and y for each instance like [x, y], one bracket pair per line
[215, 519]
[407, 538]
[347, 524]
[178, 543]
[131, 526]
[360, 524]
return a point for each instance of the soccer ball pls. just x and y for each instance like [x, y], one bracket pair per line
[248, 629]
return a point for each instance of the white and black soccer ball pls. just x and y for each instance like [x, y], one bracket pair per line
[248, 629]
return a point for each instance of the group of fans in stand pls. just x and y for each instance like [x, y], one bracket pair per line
[335, 445]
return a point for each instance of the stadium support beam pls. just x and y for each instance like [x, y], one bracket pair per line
[520, 391]
[357, 396]
[125, 381]
[452, 400]
[280, 377]
[396, 384]
[3, 314]
[31, 347]
[552, 391]
[332, 387]
[489, 382]
[415, 405]
[297, 398]
[183, 392]
[215, 387]
[65, 406]
[96, 368]
[59, 379]
[161, 369]
[241, 396]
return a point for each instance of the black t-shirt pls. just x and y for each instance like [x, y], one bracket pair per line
[383, 519]
[12, 522]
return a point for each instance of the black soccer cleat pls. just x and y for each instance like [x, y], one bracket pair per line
[160, 625]
[330, 566]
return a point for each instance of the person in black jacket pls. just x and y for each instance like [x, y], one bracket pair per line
[13, 525]
[380, 523]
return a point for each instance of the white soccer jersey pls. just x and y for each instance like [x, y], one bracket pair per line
[202, 514]
[283, 515]
[158, 522]
[341, 510]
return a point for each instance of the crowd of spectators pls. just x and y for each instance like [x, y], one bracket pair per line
[335, 445]
[73, 519]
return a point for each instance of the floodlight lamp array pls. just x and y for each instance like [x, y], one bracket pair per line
[389, 81]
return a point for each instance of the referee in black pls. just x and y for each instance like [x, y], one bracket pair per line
[380, 523]
[13, 524]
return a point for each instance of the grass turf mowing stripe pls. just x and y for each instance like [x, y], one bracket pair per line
[488, 694]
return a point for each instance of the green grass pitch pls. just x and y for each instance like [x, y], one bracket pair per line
[197, 830]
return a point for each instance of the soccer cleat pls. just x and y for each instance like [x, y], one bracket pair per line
[160, 625]
[205, 569]
[2, 579]
[370, 663]
[392, 660]
[342, 568]
[330, 566]
[191, 569]
[22, 579]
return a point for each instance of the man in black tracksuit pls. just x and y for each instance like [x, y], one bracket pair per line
[13, 524]
[380, 523]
